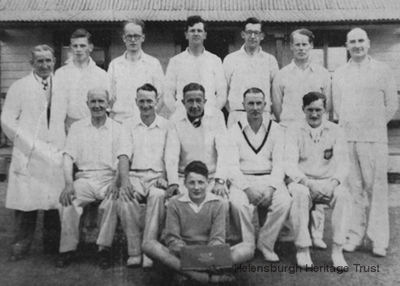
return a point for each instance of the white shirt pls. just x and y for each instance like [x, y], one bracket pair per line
[205, 69]
[255, 153]
[126, 76]
[365, 99]
[94, 148]
[292, 83]
[145, 143]
[207, 143]
[197, 208]
[243, 71]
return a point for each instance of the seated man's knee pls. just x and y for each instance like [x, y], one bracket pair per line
[298, 191]
[341, 193]
[156, 193]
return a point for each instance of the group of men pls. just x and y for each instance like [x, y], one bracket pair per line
[86, 135]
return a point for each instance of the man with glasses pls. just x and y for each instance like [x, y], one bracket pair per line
[248, 67]
[131, 70]
[195, 64]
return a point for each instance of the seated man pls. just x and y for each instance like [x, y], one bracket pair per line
[92, 145]
[257, 174]
[143, 142]
[317, 165]
[193, 218]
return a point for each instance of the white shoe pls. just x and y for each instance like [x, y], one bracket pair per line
[349, 247]
[270, 256]
[146, 261]
[379, 251]
[337, 256]
[134, 261]
[319, 243]
[303, 257]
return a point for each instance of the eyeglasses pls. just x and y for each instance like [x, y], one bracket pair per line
[135, 37]
[255, 33]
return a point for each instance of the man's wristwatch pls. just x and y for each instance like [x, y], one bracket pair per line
[219, 181]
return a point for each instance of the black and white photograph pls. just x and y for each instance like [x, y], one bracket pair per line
[199, 142]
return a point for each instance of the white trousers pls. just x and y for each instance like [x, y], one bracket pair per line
[368, 186]
[139, 221]
[89, 187]
[277, 204]
[302, 201]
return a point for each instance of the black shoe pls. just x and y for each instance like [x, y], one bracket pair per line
[64, 259]
[104, 259]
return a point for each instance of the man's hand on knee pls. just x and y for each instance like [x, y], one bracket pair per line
[254, 195]
[112, 191]
[67, 195]
[220, 190]
[161, 183]
[126, 191]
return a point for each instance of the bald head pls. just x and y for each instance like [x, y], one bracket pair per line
[357, 44]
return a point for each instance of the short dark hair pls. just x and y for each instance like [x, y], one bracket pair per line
[253, 90]
[82, 33]
[192, 20]
[193, 86]
[313, 96]
[252, 20]
[304, 32]
[135, 21]
[148, 87]
[197, 167]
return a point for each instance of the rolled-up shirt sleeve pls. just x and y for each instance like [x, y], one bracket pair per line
[291, 157]
[391, 97]
[172, 156]
[72, 143]
[221, 147]
[277, 173]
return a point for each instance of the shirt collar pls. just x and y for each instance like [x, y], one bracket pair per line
[310, 66]
[209, 197]
[255, 54]
[107, 124]
[155, 123]
[305, 126]
[363, 64]
[245, 123]
[208, 112]
[70, 62]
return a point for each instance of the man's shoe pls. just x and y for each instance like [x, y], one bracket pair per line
[379, 251]
[134, 261]
[104, 259]
[65, 259]
[303, 257]
[270, 256]
[349, 247]
[146, 261]
[319, 243]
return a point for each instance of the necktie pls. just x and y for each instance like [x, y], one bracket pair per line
[45, 84]
[196, 122]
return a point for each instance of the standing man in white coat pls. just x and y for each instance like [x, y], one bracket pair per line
[35, 179]
[365, 99]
